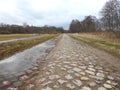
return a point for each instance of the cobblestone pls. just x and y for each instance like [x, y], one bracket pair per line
[74, 65]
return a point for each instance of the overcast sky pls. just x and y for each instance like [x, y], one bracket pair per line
[48, 12]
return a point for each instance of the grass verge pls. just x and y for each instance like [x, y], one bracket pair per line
[111, 45]
[10, 48]
[14, 36]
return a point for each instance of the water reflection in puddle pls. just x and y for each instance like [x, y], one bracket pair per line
[23, 60]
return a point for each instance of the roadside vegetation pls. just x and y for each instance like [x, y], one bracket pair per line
[27, 29]
[103, 32]
[109, 20]
[109, 41]
[15, 36]
[10, 48]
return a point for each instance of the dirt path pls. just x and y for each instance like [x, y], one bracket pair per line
[74, 65]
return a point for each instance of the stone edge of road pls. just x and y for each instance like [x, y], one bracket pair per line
[27, 77]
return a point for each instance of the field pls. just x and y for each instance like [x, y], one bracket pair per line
[14, 36]
[109, 41]
[10, 48]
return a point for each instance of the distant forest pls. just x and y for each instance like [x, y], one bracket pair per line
[110, 20]
[23, 29]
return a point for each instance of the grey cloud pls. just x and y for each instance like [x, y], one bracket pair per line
[61, 16]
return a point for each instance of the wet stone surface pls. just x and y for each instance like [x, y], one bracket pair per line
[73, 65]
[19, 70]
[17, 64]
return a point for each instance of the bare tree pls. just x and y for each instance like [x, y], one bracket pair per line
[90, 23]
[75, 26]
[111, 15]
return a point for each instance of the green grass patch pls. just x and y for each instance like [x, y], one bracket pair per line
[110, 45]
[10, 48]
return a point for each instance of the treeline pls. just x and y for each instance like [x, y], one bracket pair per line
[22, 29]
[110, 20]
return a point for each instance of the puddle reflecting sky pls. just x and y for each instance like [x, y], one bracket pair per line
[23, 60]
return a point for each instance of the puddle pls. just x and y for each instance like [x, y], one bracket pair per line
[24, 60]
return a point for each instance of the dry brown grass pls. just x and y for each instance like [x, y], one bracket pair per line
[14, 36]
[109, 41]
[10, 48]
[107, 34]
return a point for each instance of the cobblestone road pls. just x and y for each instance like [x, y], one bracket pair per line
[74, 65]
